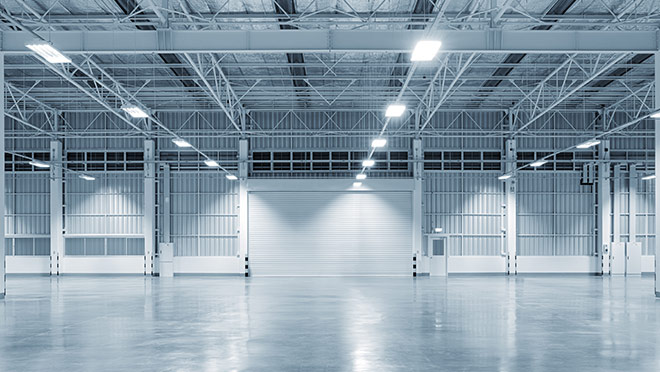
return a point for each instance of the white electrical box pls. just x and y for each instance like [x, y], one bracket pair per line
[618, 258]
[634, 258]
[166, 259]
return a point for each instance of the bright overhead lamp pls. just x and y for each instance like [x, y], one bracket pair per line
[586, 145]
[135, 111]
[538, 163]
[379, 142]
[656, 115]
[39, 164]
[425, 50]
[211, 163]
[361, 176]
[395, 110]
[48, 52]
[368, 163]
[504, 177]
[357, 184]
[438, 229]
[231, 177]
[649, 177]
[87, 178]
[180, 142]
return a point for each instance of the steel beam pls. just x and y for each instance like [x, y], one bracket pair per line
[657, 182]
[510, 196]
[333, 41]
[3, 274]
[604, 207]
[148, 225]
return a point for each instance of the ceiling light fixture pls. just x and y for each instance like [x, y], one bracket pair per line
[231, 177]
[48, 52]
[361, 176]
[656, 115]
[368, 163]
[590, 143]
[87, 178]
[649, 177]
[39, 164]
[135, 111]
[504, 177]
[425, 50]
[395, 110]
[211, 163]
[379, 142]
[538, 163]
[180, 142]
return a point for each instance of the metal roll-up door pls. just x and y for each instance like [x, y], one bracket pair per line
[330, 233]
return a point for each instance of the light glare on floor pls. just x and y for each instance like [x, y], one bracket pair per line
[425, 50]
[361, 176]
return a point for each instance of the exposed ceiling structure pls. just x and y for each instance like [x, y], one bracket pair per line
[241, 56]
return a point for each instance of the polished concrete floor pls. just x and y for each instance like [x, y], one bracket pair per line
[551, 323]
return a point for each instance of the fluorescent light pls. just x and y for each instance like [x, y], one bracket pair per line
[368, 163]
[39, 164]
[504, 177]
[48, 52]
[538, 163]
[86, 177]
[438, 229]
[361, 176]
[134, 111]
[656, 115]
[395, 110]
[211, 163]
[379, 142]
[590, 143]
[357, 184]
[649, 177]
[425, 50]
[231, 177]
[180, 142]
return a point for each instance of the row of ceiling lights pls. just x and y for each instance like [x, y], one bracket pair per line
[424, 51]
[47, 51]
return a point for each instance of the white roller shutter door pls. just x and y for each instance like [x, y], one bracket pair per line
[330, 233]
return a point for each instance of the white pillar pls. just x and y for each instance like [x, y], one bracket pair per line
[56, 218]
[167, 204]
[604, 207]
[3, 277]
[657, 182]
[243, 206]
[632, 204]
[417, 207]
[149, 205]
[510, 191]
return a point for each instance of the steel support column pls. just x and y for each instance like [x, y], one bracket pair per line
[243, 204]
[510, 192]
[657, 182]
[632, 203]
[604, 207]
[3, 276]
[56, 217]
[167, 204]
[148, 225]
[417, 207]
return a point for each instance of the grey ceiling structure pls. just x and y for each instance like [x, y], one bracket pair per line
[241, 57]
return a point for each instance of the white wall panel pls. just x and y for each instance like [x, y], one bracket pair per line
[330, 233]
[556, 215]
[204, 208]
[466, 206]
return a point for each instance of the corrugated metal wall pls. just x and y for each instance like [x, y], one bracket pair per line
[556, 215]
[27, 218]
[204, 208]
[645, 216]
[466, 206]
[104, 216]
